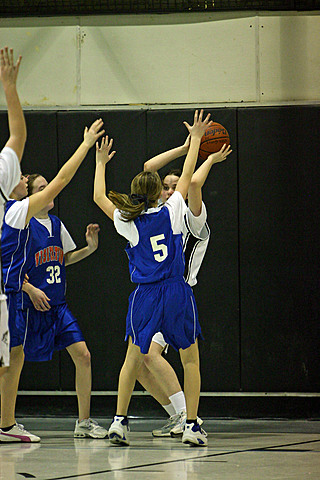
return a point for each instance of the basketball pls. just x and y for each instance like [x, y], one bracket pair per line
[212, 141]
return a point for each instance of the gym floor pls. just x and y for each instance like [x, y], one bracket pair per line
[237, 450]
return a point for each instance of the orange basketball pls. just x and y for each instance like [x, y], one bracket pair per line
[212, 141]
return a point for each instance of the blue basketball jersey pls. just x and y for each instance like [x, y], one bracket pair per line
[15, 249]
[158, 254]
[46, 269]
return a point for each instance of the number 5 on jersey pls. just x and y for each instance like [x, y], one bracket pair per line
[159, 247]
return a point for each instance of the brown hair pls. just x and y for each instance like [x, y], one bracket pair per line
[31, 179]
[175, 171]
[145, 190]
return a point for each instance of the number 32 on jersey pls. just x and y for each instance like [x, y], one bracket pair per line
[157, 246]
[54, 274]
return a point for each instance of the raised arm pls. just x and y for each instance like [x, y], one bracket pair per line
[161, 160]
[103, 156]
[17, 125]
[196, 132]
[92, 238]
[200, 176]
[39, 200]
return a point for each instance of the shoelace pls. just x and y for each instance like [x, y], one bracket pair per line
[21, 427]
[171, 420]
[92, 422]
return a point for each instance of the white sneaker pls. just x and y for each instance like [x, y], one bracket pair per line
[118, 431]
[167, 427]
[177, 430]
[89, 428]
[18, 434]
[194, 435]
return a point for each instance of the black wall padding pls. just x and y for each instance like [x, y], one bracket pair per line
[279, 174]
[258, 289]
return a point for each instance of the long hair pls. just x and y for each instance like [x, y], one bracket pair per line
[31, 179]
[145, 190]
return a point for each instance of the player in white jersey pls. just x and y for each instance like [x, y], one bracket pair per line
[196, 235]
[10, 158]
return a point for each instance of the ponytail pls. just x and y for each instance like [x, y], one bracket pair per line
[145, 191]
[130, 208]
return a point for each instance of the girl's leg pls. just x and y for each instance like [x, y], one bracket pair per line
[85, 427]
[82, 361]
[191, 366]
[128, 376]
[150, 384]
[9, 382]
[162, 371]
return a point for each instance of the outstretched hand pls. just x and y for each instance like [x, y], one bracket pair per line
[199, 126]
[103, 154]
[221, 155]
[8, 70]
[92, 236]
[92, 134]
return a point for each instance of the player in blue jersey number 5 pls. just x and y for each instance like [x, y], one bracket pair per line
[162, 301]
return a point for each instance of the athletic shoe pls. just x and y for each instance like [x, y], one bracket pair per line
[194, 435]
[89, 428]
[18, 434]
[118, 431]
[167, 427]
[177, 430]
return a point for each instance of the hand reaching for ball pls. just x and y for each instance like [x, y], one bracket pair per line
[221, 155]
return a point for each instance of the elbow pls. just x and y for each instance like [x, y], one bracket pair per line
[194, 185]
[146, 167]
[97, 199]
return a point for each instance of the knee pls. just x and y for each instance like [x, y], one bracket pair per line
[16, 357]
[84, 359]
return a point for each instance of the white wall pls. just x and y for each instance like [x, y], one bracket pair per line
[197, 58]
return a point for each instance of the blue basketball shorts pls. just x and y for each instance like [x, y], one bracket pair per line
[168, 307]
[42, 333]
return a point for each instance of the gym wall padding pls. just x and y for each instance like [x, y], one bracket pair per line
[279, 172]
[258, 289]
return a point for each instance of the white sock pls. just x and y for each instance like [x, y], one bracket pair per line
[179, 402]
[169, 409]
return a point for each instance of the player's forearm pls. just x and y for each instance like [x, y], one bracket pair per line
[99, 191]
[201, 174]
[191, 159]
[78, 255]
[68, 170]
[99, 186]
[16, 120]
[161, 160]
[195, 188]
